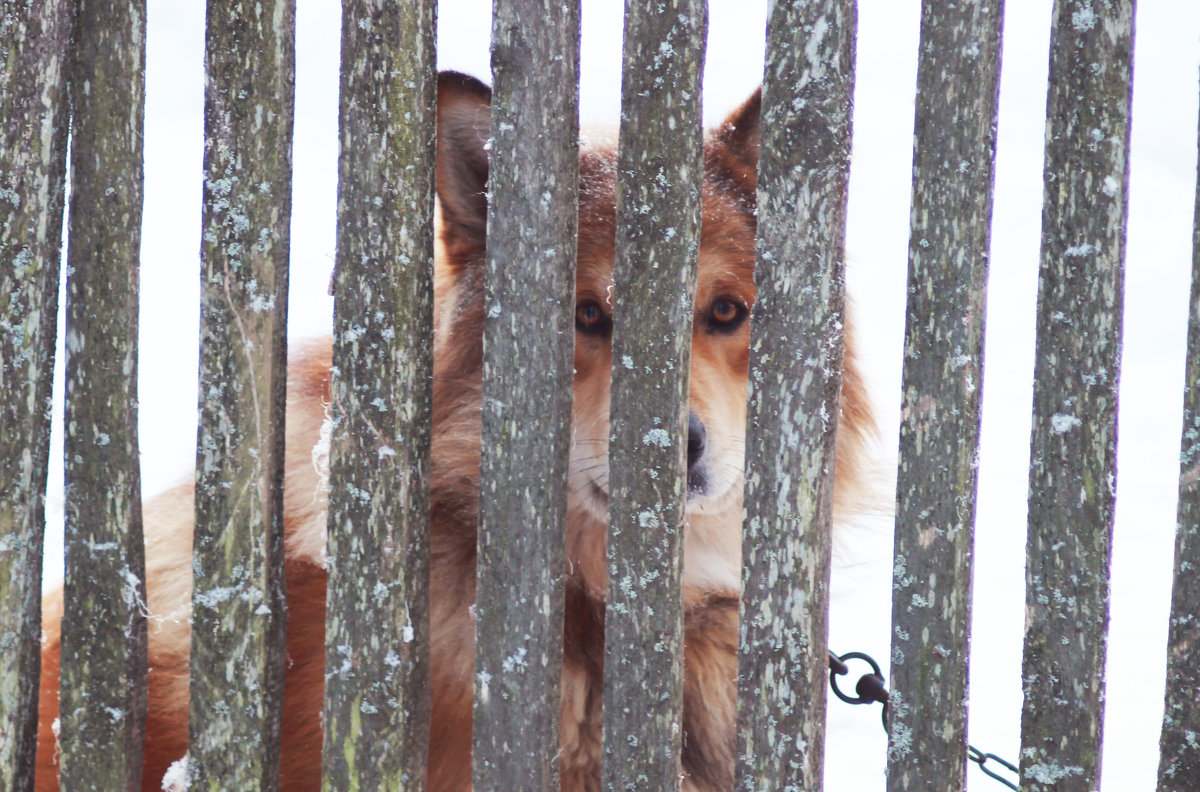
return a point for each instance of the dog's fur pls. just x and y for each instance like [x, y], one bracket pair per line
[714, 509]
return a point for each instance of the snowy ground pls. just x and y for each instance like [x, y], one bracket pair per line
[1163, 179]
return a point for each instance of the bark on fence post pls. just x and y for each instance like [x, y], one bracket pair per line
[102, 701]
[1179, 766]
[238, 608]
[953, 165]
[795, 386]
[33, 140]
[528, 346]
[660, 171]
[1073, 461]
[377, 696]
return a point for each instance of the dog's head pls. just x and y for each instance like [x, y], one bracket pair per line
[725, 293]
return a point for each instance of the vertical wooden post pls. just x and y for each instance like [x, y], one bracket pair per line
[238, 606]
[660, 172]
[377, 697]
[103, 672]
[528, 345]
[958, 81]
[33, 141]
[792, 417]
[1179, 765]
[103, 693]
[1073, 461]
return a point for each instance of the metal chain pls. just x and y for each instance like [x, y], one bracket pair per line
[981, 759]
[872, 688]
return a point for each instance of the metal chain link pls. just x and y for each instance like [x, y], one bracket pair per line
[871, 688]
[981, 759]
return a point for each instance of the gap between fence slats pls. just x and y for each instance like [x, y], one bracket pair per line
[33, 140]
[1179, 765]
[796, 352]
[1073, 455]
[237, 652]
[528, 346]
[953, 166]
[102, 698]
[657, 242]
[377, 698]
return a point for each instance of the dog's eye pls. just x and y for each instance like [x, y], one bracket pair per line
[591, 319]
[726, 314]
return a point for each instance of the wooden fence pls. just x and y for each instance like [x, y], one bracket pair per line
[378, 503]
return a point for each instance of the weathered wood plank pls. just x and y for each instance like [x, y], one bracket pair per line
[1179, 765]
[657, 243]
[377, 620]
[33, 141]
[958, 79]
[795, 384]
[238, 606]
[102, 698]
[1072, 471]
[528, 347]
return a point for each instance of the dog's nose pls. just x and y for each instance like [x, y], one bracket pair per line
[695, 440]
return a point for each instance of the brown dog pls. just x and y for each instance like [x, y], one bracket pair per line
[712, 572]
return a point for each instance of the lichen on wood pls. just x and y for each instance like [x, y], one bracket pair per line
[1072, 479]
[33, 137]
[238, 609]
[103, 682]
[795, 381]
[659, 178]
[528, 345]
[953, 167]
[1179, 764]
[103, 674]
[377, 698]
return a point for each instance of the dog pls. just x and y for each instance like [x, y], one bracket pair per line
[712, 568]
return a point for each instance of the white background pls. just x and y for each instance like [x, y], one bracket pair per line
[1163, 179]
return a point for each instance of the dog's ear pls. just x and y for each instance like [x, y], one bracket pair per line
[736, 146]
[463, 128]
[739, 134]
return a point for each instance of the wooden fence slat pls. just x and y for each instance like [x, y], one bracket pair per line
[795, 385]
[958, 79]
[377, 619]
[528, 346]
[33, 141]
[102, 698]
[1179, 765]
[1072, 471]
[237, 655]
[657, 244]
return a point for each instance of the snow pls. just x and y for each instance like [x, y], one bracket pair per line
[176, 777]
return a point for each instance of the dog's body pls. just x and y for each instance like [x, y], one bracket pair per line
[712, 553]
